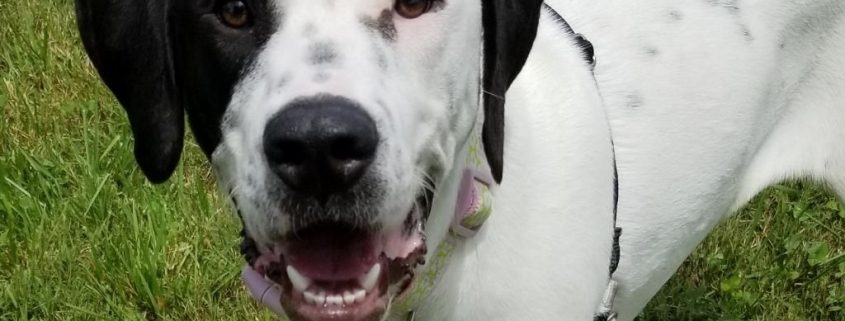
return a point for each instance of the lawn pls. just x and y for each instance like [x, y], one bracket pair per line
[84, 237]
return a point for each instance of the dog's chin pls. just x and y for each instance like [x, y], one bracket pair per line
[333, 271]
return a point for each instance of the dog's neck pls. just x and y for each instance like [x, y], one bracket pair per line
[547, 244]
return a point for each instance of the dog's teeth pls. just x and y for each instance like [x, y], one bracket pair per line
[369, 280]
[334, 300]
[360, 295]
[312, 298]
[321, 298]
[348, 297]
[300, 282]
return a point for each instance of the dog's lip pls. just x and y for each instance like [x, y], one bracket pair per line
[327, 259]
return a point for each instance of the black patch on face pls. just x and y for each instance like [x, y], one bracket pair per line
[322, 53]
[212, 58]
[382, 25]
[164, 58]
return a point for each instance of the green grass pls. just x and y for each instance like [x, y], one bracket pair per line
[84, 237]
[781, 258]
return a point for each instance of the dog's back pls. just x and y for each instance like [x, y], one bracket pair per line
[709, 103]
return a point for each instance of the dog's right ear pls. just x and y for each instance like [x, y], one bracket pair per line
[129, 43]
[510, 27]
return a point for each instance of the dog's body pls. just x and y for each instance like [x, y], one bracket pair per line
[709, 103]
[704, 103]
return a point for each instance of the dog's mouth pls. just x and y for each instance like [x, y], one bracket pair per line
[333, 271]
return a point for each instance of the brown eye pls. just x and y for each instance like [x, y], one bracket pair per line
[411, 9]
[234, 14]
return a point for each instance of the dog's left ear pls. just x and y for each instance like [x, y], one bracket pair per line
[510, 27]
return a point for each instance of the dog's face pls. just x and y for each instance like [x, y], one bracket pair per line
[329, 123]
[332, 136]
[346, 122]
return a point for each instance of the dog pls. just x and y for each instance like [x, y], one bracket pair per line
[348, 135]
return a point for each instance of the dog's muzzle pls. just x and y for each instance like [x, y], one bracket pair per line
[337, 262]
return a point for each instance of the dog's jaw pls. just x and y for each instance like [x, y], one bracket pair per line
[328, 273]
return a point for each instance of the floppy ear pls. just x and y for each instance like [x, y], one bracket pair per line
[129, 43]
[510, 27]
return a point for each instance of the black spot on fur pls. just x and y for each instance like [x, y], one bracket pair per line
[651, 51]
[321, 77]
[383, 25]
[309, 31]
[676, 15]
[731, 5]
[322, 53]
[381, 57]
[747, 33]
[283, 80]
[635, 101]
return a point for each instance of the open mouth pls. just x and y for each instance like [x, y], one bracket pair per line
[332, 271]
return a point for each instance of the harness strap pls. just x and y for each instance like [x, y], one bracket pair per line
[606, 311]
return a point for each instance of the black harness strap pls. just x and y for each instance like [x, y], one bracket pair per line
[606, 312]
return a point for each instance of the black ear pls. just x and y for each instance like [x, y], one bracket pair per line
[129, 43]
[510, 27]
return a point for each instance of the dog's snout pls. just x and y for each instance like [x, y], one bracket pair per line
[322, 145]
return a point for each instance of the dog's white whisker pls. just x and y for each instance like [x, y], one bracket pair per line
[499, 97]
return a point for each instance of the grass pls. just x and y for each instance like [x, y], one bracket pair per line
[84, 237]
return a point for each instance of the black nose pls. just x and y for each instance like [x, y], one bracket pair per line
[319, 146]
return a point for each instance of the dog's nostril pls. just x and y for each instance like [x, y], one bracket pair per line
[286, 152]
[320, 145]
[348, 148]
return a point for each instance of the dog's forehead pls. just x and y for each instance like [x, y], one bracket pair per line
[292, 9]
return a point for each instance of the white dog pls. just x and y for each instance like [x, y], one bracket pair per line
[365, 142]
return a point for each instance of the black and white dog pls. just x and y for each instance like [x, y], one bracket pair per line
[342, 130]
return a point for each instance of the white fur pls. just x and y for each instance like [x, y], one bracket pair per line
[544, 254]
[718, 113]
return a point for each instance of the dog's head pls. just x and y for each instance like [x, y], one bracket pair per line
[328, 122]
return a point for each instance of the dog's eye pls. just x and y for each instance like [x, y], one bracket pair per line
[411, 9]
[234, 14]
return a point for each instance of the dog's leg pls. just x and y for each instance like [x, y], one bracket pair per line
[809, 140]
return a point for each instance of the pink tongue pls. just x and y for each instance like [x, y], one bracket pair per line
[331, 254]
